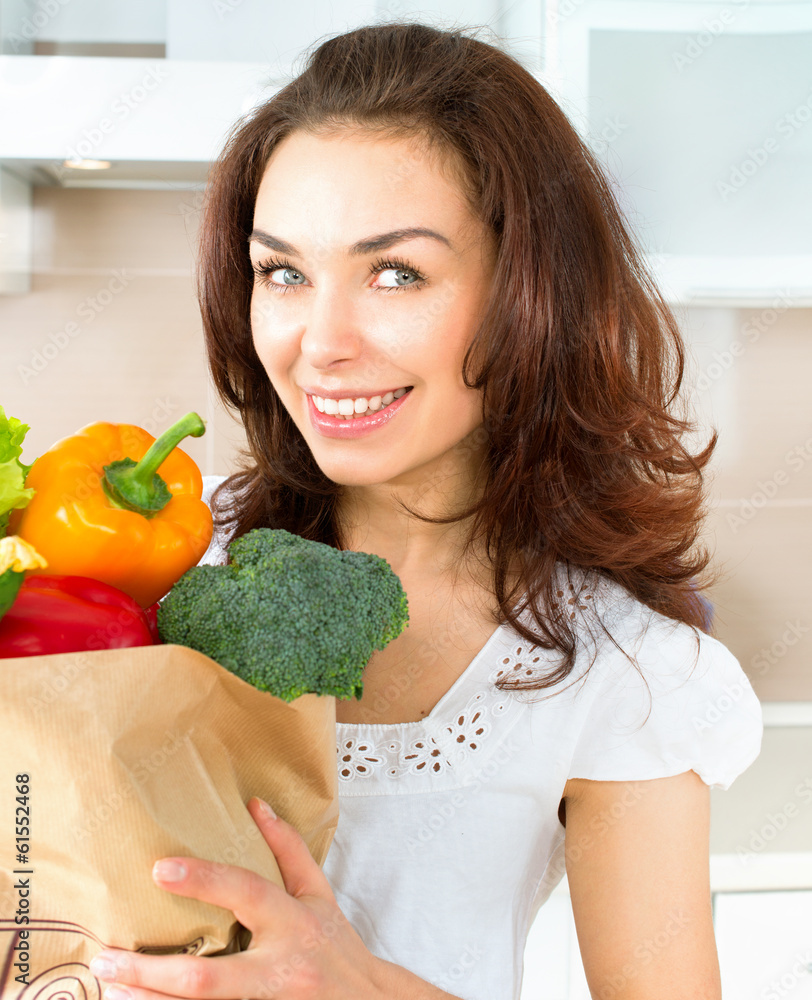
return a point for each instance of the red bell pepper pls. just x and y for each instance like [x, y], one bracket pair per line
[69, 614]
[152, 618]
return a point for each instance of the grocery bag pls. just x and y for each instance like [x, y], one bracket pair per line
[112, 759]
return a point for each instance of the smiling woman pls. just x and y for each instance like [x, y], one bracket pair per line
[420, 296]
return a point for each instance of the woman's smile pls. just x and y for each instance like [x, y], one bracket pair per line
[365, 416]
[354, 404]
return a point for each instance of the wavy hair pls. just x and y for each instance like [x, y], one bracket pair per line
[578, 356]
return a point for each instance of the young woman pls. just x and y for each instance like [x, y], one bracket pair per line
[420, 297]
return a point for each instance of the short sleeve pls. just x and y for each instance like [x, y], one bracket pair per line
[704, 715]
[216, 553]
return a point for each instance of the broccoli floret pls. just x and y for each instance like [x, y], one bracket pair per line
[288, 615]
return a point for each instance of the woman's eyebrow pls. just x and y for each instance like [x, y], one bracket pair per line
[372, 245]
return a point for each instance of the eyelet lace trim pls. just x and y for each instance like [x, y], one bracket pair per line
[570, 600]
[450, 745]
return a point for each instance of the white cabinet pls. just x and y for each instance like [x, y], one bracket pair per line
[161, 121]
[764, 941]
[700, 111]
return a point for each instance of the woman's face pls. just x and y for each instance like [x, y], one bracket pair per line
[349, 306]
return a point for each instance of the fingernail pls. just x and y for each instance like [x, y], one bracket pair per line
[103, 967]
[117, 993]
[169, 871]
[266, 809]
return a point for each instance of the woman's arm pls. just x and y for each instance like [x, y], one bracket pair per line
[638, 868]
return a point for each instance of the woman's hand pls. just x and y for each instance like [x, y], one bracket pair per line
[302, 945]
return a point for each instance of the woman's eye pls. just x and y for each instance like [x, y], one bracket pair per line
[265, 272]
[298, 278]
[399, 272]
[404, 275]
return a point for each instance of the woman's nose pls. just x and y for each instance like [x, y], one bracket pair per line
[331, 333]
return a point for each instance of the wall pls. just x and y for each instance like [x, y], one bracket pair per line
[751, 369]
[111, 328]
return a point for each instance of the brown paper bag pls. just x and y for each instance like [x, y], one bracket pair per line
[131, 755]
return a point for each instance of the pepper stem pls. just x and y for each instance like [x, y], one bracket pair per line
[137, 486]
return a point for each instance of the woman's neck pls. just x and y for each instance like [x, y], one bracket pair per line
[371, 520]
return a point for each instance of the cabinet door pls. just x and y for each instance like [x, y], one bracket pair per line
[764, 941]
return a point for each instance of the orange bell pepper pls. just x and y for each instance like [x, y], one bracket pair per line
[101, 510]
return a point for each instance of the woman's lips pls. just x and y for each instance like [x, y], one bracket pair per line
[338, 427]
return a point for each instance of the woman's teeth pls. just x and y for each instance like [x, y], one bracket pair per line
[361, 407]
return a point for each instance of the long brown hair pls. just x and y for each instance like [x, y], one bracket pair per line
[579, 358]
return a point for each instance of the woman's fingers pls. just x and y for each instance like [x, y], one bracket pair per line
[159, 977]
[301, 874]
[253, 900]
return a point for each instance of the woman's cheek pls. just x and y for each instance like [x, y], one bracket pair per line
[261, 310]
[268, 335]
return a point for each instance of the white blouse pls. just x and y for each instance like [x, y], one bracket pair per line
[448, 839]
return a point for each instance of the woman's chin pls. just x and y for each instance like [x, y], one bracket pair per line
[346, 475]
[363, 470]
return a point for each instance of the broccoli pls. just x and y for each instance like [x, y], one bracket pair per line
[289, 615]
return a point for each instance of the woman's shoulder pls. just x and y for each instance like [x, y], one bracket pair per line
[210, 484]
[659, 696]
[627, 653]
[609, 621]
[216, 553]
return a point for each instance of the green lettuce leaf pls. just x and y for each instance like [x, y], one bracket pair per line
[13, 493]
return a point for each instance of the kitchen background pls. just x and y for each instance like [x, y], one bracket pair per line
[701, 113]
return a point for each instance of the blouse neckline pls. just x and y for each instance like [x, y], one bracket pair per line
[458, 685]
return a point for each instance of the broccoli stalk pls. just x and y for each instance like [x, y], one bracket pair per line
[289, 615]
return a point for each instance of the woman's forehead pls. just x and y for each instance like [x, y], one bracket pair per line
[394, 162]
[358, 189]
[363, 184]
